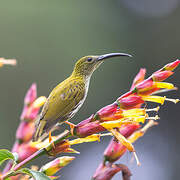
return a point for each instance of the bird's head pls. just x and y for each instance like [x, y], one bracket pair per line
[88, 64]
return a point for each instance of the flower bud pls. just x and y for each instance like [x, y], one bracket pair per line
[54, 166]
[106, 172]
[130, 102]
[88, 129]
[30, 112]
[31, 94]
[171, 66]
[25, 131]
[24, 112]
[15, 146]
[146, 85]
[161, 76]
[107, 112]
[139, 77]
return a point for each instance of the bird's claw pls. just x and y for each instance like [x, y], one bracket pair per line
[72, 126]
[51, 141]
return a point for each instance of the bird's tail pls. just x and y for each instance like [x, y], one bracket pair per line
[39, 130]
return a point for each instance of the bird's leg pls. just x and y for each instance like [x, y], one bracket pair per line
[50, 140]
[44, 136]
[72, 126]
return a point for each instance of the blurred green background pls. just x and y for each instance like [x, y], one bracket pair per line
[47, 37]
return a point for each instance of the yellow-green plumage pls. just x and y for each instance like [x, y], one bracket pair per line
[67, 97]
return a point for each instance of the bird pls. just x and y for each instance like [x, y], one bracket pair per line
[66, 98]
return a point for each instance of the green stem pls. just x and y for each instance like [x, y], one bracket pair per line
[39, 153]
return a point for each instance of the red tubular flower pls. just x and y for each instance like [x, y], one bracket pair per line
[130, 102]
[161, 76]
[107, 111]
[139, 77]
[171, 66]
[114, 151]
[144, 86]
[25, 131]
[106, 172]
[115, 148]
[88, 129]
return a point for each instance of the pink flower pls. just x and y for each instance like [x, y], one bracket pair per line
[161, 75]
[31, 94]
[25, 131]
[130, 102]
[139, 77]
[107, 171]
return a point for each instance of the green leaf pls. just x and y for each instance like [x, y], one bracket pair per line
[5, 155]
[35, 174]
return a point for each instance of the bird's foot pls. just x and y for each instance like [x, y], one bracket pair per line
[50, 140]
[72, 126]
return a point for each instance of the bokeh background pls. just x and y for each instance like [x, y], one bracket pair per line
[47, 37]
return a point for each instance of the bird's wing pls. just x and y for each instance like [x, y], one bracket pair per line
[62, 101]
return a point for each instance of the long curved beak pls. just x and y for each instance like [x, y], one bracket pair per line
[110, 55]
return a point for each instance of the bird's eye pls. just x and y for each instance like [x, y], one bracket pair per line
[89, 59]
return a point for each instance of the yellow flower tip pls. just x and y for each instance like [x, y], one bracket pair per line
[65, 160]
[177, 100]
[153, 109]
[137, 159]
[140, 119]
[134, 112]
[172, 100]
[39, 102]
[156, 99]
[164, 85]
[157, 108]
[94, 137]
[163, 100]
[112, 124]
[122, 139]
[153, 118]
[156, 117]
[71, 150]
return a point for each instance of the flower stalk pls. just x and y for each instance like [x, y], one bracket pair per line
[125, 119]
